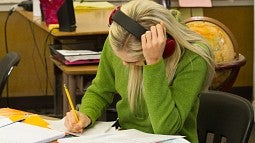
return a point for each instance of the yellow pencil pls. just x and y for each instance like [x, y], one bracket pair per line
[70, 102]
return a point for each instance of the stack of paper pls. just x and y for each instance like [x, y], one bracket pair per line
[76, 57]
[125, 136]
[100, 133]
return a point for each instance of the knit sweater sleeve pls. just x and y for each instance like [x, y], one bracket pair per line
[169, 105]
[100, 93]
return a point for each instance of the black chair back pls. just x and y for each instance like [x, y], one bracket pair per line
[224, 117]
[6, 65]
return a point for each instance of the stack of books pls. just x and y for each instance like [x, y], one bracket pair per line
[76, 57]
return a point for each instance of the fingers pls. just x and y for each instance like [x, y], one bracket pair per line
[161, 34]
[153, 33]
[157, 34]
[72, 125]
[153, 43]
[163, 27]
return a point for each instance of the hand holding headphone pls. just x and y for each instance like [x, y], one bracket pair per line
[153, 43]
[138, 30]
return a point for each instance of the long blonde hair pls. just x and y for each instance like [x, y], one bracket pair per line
[148, 13]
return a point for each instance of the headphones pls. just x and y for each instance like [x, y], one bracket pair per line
[138, 30]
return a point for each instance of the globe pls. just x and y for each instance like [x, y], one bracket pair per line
[224, 46]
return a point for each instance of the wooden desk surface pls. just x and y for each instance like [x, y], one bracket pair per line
[76, 70]
[88, 22]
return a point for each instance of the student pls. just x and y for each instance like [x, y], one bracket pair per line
[158, 75]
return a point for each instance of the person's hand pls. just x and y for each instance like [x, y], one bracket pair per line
[153, 43]
[76, 127]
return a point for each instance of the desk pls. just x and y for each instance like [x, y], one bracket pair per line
[70, 75]
[91, 32]
[88, 22]
[94, 134]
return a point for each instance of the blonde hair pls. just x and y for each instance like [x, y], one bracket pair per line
[148, 13]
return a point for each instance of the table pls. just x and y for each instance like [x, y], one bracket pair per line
[91, 32]
[88, 22]
[70, 76]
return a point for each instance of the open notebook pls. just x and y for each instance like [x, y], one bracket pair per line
[27, 133]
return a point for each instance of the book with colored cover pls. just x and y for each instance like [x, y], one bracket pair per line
[76, 57]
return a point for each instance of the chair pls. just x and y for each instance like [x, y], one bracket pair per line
[224, 117]
[6, 65]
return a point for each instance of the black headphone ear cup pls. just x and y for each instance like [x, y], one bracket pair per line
[169, 48]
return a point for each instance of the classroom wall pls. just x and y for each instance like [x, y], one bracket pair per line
[239, 19]
[29, 78]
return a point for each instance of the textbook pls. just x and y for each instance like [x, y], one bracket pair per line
[76, 57]
[11, 132]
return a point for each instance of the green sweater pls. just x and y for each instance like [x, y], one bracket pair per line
[169, 109]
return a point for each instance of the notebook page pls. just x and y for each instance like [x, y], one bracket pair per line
[22, 132]
[4, 121]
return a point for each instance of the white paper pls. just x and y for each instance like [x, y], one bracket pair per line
[125, 136]
[4, 121]
[76, 55]
[26, 133]
[36, 8]
[83, 57]
[98, 128]
[100, 133]
[77, 52]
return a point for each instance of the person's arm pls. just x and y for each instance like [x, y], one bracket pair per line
[100, 94]
[97, 97]
[169, 105]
